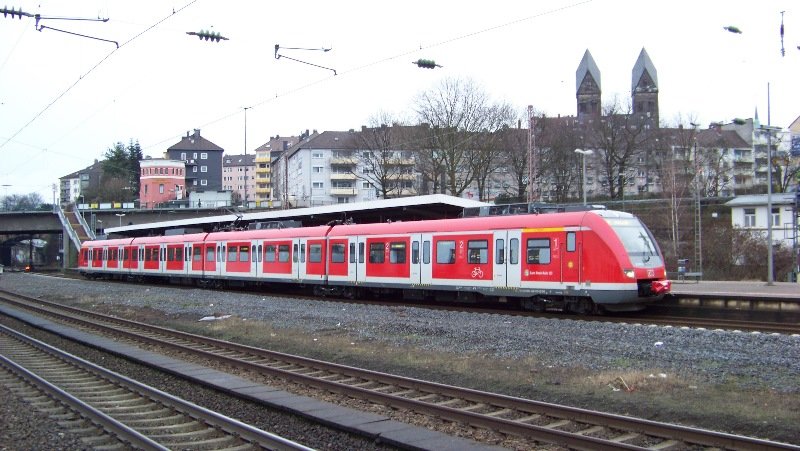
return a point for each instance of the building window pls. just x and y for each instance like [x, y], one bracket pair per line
[203, 182]
[160, 188]
[203, 168]
[317, 185]
[316, 155]
[204, 156]
[749, 217]
[776, 217]
[183, 155]
[194, 168]
[317, 169]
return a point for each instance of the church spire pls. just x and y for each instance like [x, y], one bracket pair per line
[587, 87]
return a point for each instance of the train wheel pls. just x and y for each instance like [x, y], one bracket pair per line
[534, 304]
[584, 306]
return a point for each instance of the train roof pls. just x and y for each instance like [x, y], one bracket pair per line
[548, 220]
[295, 232]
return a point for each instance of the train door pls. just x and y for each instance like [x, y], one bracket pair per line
[426, 263]
[505, 266]
[570, 258]
[352, 258]
[361, 259]
[416, 259]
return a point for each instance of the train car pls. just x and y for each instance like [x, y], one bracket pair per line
[581, 261]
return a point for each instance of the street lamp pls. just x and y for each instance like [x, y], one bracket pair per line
[120, 216]
[583, 180]
[770, 260]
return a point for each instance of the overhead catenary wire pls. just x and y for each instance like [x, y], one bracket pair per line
[92, 69]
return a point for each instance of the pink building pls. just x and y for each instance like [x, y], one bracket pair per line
[161, 180]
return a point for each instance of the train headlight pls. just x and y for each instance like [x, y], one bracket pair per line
[629, 273]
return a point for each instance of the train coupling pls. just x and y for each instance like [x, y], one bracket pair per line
[659, 287]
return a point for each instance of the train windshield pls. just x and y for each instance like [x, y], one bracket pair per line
[638, 241]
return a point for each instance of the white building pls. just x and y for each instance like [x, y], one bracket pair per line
[750, 213]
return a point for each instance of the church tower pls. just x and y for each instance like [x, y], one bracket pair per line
[644, 89]
[587, 85]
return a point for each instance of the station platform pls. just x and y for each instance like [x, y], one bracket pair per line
[731, 289]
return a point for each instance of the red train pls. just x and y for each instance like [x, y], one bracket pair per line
[584, 262]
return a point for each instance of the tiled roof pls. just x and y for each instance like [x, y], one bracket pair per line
[194, 142]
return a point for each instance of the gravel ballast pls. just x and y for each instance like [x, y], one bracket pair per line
[726, 358]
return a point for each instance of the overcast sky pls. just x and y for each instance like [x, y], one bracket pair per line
[65, 99]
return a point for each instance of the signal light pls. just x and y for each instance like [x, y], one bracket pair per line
[208, 35]
[426, 64]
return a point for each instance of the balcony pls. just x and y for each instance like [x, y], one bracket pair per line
[402, 177]
[262, 190]
[343, 191]
[343, 161]
[342, 176]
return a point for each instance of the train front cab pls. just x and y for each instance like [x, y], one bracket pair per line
[635, 269]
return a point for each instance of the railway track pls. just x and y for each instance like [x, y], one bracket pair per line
[542, 422]
[113, 409]
[710, 319]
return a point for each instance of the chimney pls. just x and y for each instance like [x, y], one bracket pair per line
[197, 133]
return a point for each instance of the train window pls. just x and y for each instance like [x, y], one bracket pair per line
[513, 251]
[446, 252]
[269, 253]
[170, 254]
[302, 253]
[283, 253]
[352, 252]
[253, 252]
[500, 251]
[478, 251]
[163, 254]
[538, 251]
[376, 254]
[210, 254]
[218, 252]
[244, 253]
[570, 241]
[231, 254]
[221, 255]
[294, 255]
[147, 255]
[361, 252]
[315, 253]
[397, 252]
[415, 252]
[337, 253]
[197, 255]
[426, 252]
[259, 254]
[126, 254]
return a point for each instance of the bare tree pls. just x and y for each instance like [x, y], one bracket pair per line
[560, 168]
[620, 137]
[384, 160]
[489, 150]
[457, 111]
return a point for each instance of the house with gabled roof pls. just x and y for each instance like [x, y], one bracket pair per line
[203, 160]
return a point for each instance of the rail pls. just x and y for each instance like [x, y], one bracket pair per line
[574, 427]
[103, 396]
